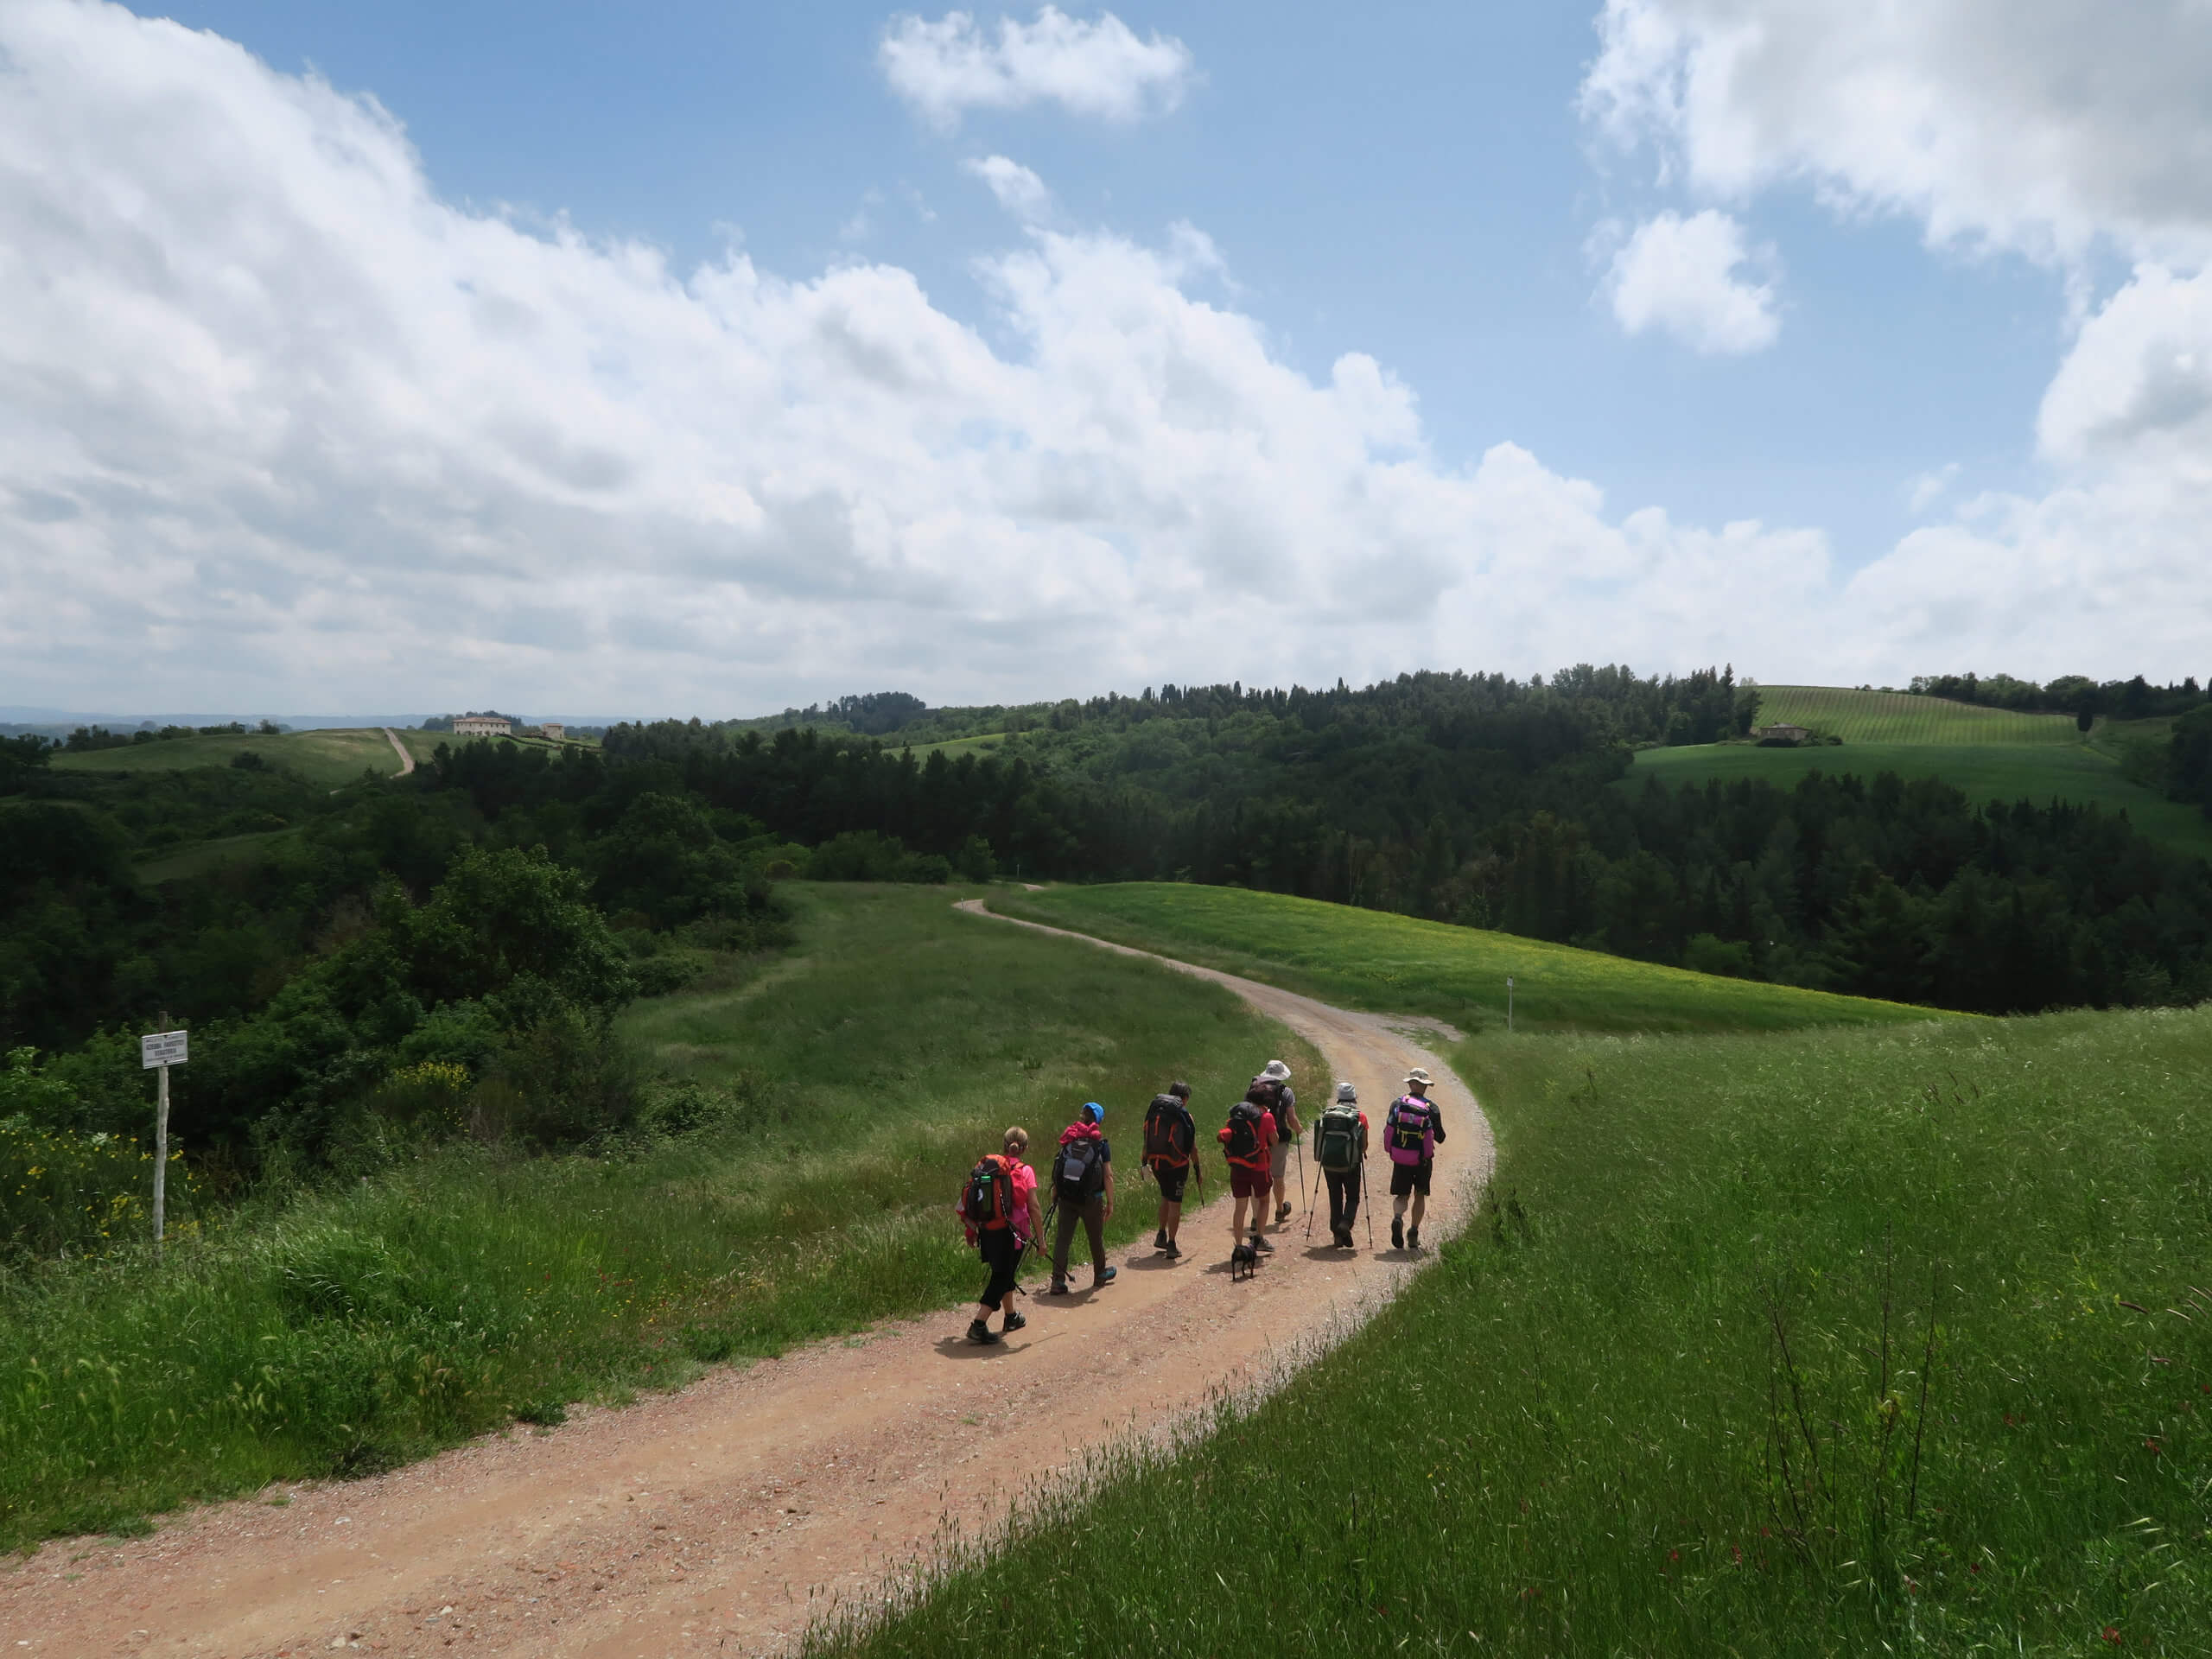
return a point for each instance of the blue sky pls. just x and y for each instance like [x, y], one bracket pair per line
[1911, 380]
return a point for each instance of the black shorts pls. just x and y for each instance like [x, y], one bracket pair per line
[1171, 1177]
[1411, 1178]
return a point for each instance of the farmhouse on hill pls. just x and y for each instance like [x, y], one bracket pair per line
[554, 729]
[1782, 732]
[482, 726]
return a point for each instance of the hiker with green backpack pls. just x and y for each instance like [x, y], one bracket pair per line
[1169, 1132]
[999, 1205]
[1340, 1149]
[1082, 1189]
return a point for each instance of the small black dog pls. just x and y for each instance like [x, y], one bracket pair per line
[1244, 1261]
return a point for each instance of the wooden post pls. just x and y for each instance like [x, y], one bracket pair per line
[161, 1143]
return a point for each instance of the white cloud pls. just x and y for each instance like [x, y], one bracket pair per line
[2039, 126]
[1924, 490]
[1679, 275]
[1020, 191]
[954, 65]
[279, 428]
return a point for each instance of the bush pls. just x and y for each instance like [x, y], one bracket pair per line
[864, 855]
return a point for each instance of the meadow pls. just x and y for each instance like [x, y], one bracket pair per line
[1997, 771]
[1816, 1342]
[816, 1113]
[329, 758]
[1374, 959]
[1899, 717]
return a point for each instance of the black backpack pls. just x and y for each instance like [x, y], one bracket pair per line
[1079, 1171]
[1169, 1132]
[1243, 1143]
[988, 1202]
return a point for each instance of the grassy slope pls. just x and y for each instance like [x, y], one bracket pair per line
[199, 857]
[1581, 1434]
[2003, 773]
[1395, 964]
[1990, 754]
[378, 1321]
[1896, 717]
[334, 757]
[953, 748]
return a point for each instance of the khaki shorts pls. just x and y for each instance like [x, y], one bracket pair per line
[1279, 1160]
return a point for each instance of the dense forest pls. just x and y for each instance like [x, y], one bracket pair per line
[490, 913]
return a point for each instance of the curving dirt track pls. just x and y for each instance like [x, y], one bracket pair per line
[406, 760]
[718, 1519]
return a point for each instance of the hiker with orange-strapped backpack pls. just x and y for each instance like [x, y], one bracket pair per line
[999, 1207]
[1412, 1131]
[1170, 1133]
[1248, 1141]
[1082, 1189]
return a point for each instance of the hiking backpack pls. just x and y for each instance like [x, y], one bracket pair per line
[1405, 1131]
[1335, 1142]
[987, 1204]
[1243, 1145]
[1168, 1132]
[1079, 1171]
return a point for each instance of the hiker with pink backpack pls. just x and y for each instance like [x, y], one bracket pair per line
[1412, 1131]
[999, 1207]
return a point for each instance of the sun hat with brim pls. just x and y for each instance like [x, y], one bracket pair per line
[1419, 1076]
[1276, 1069]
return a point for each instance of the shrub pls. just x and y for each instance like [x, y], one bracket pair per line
[61, 1192]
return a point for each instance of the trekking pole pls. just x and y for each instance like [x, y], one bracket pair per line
[1311, 1197]
[1366, 1208]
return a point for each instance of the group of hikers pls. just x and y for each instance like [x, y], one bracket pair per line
[1006, 1214]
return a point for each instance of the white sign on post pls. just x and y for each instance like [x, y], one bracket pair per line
[158, 1051]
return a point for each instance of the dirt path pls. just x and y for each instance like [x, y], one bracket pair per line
[406, 760]
[718, 1519]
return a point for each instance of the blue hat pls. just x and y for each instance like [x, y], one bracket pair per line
[1093, 1111]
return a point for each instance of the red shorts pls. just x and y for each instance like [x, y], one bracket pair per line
[1248, 1183]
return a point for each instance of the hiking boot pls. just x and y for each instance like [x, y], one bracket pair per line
[1344, 1238]
[1262, 1245]
[1058, 1287]
[1013, 1321]
[1169, 1250]
[980, 1333]
[1103, 1276]
[1397, 1233]
[1160, 1240]
[1413, 1238]
[1282, 1213]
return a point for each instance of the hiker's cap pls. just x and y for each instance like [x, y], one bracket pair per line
[1093, 1111]
[1276, 1069]
[1347, 1093]
[1419, 1076]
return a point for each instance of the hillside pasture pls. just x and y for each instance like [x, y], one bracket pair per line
[1993, 772]
[330, 758]
[1899, 718]
[1841, 1342]
[1392, 964]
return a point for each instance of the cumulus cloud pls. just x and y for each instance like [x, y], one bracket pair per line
[1680, 275]
[1018, 190]
[279, 427]
[2036, 126]
[1103, 69]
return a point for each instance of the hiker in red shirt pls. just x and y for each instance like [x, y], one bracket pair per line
[999, 1205]
[1248, 1141]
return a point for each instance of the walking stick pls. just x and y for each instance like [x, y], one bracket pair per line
[1311, 1197]
[1366, 1205]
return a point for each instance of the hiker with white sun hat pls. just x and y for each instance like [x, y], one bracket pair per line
[1411, 1133]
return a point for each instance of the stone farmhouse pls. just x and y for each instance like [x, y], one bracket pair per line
[482, 726]
[1782, 732]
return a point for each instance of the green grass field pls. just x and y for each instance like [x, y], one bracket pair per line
[1896, 717]
[953, 748]
[345, 1330]
[200, 857]
[1371, 959]
[1824, 1343]
[1996, 771]
[330, 758]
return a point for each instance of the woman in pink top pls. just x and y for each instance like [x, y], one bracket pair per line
[1001, 1247]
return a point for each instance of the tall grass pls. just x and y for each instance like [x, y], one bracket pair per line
[342, 1331]
[1837, 1342]
[1374, 959]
